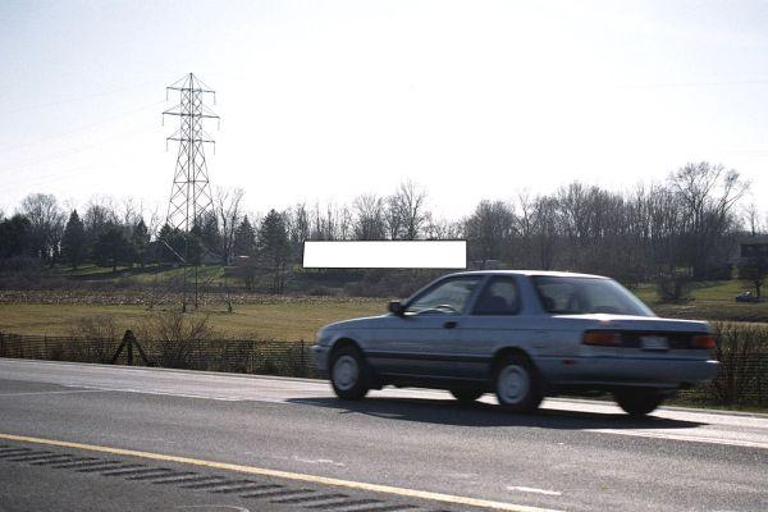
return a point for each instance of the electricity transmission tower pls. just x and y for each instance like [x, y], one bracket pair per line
[191, 201]
[191, 192]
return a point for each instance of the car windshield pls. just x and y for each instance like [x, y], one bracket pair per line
[582, 295]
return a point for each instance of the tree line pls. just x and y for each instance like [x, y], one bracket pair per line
[684, 228]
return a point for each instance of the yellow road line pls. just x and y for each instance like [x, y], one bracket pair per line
[251, 470]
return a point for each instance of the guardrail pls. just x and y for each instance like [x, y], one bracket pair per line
[742, 381]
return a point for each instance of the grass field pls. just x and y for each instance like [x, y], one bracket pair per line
[724, 291]
[294, 319]
[288, 321]
[713, 300]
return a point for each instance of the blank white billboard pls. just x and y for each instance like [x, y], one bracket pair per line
[386, 254]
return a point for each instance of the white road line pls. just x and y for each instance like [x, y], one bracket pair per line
[680, 437]
[546, 492]
[70, 392]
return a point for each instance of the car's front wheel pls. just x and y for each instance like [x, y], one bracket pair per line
[518, 387]
[638, 402]
[349, 374]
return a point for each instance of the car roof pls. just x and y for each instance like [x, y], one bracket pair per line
[550, 273]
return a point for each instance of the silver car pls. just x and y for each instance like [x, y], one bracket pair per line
[522, 335]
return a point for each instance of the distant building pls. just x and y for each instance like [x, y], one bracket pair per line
[753, 246]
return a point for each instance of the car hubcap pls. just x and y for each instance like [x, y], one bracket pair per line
[345, 372]
[513, 384]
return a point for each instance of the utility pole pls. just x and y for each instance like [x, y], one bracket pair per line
[190, 201]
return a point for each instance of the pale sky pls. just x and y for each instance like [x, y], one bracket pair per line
[328, 100]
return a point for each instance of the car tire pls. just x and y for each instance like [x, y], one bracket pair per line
[517, 384]
[638, 402]
[349, 373]
[467, 395]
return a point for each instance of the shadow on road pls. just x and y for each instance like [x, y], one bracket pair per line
[479, 414]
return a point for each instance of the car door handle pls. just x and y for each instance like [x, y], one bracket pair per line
[450, 324]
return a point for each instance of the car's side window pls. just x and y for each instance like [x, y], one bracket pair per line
[448, 297]
[500, 297]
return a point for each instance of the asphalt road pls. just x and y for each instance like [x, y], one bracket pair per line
[574, 455]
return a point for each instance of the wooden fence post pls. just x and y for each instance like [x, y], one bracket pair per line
[129, 347]
[128, 342]
[303, 368]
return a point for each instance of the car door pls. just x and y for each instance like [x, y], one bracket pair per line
[421, 342]
[494, 321]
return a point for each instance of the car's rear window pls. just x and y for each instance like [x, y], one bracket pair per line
[567, 295]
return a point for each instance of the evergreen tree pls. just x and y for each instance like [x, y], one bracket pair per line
[112, 247]
[274, 249]
[74, 243]
[245, 239]
[209, 236]
[15, 237]
[171, 242]
[194, 245]
[140, 242]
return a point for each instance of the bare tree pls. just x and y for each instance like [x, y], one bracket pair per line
[346, 221]
[708, 193]
[227, 207]
[369, 223]
[47, 222]
[298, 224]
[409, 214]
[99, 213]
[393, 217]
[547, 231]
[442, 229]
[755, 270]
[752, 219]
[489, 230]
[327, 225]
[155, 222]
[131, 212]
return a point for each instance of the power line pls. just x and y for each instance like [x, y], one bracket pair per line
[5, 148]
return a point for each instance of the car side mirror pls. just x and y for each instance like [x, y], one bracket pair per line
[396, 308]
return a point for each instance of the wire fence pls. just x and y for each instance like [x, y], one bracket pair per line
[265, 357]
[743, 379]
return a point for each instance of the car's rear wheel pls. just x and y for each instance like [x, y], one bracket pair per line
[518, 387]
[467, 395]
[349, 373]
[638, 402]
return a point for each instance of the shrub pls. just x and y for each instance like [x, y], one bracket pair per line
[742, 350]
[98, 327]
[674, 286]
[175, 338]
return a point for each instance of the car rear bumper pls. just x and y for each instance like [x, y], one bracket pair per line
[635, 371]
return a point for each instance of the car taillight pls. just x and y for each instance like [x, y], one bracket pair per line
[602, 338]
[703, 341]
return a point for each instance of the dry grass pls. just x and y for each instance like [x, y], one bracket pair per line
[286, 321]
